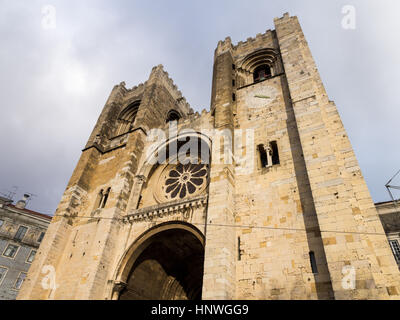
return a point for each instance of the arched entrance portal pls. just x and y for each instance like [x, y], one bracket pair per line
[169, 267]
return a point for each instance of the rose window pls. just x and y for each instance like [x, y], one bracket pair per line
[180, 181]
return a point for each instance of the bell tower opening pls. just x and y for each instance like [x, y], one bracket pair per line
[170, 267]
[261, 73]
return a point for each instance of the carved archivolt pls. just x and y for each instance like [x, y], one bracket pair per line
[258, 58]
[247, 66]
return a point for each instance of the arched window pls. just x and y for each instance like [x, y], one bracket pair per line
[262, 72]
[173, 116]
[105, 198]
[127, 118]
[269, 154]
[99, 199]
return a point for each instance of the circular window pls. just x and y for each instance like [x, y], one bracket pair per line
[180, 181]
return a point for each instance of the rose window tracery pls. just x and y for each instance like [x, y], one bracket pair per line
[180, 181]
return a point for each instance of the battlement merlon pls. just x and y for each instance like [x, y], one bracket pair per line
[286, 27]
[120, 92]
[159, 74]
[120, 96]
[286, 16]
[226, 45]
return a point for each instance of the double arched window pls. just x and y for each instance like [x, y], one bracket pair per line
[127, 118]
[102, 198]
[269, 154]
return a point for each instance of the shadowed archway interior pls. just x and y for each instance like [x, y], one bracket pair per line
[169, 268]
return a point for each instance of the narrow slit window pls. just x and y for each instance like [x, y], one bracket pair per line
[233, 83]
[239, 250]
[100, 197]
[106, 197]
[139, 200]
[275, 153]
[263, 156]
[313, 262]
[233, 97]
[233, 67]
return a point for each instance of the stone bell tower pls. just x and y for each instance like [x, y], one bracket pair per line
[285, 214]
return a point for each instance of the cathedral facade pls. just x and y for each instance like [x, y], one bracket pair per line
[259, 198]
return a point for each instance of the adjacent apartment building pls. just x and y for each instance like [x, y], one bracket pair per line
[389, 214]
[21, 232]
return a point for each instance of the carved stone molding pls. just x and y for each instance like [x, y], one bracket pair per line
[118, 286]
[140, 179]
[184, 207]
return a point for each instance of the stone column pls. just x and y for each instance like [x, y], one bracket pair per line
[219, 280]
[136, 191]
[118, 287]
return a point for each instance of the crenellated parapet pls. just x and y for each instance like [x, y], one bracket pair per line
[257, 42]
[132, 94]
[158, 73]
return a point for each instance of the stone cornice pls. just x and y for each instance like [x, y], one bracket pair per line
[164, 209]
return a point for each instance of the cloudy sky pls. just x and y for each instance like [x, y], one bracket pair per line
[55, 81]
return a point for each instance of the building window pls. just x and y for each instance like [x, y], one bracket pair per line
[275, 153]
[233, 97]
[105, 198]
[173, 116]
[41, 237]
[261, 73]
[99, 200]
[3, 272]
[233, 83]
[394, 244]
[1, 223]
[233, 67]
[268, 156]
[263, 156]
[20, 233]
[313, 262]
[20, 280]
[31, 256]
[185, 180]
[127, 118]
[10, 251]
[102, 198]
[139, 202]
